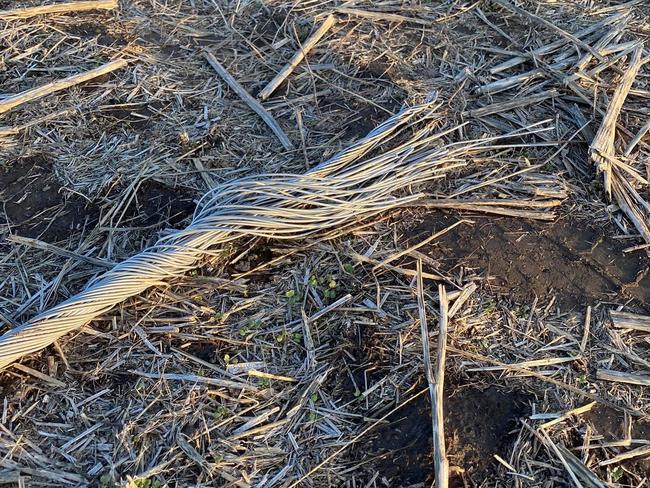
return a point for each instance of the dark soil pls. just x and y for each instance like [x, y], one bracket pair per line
[575, 262]
[363, 358]
[520, 259]
[34, 205]
[366, 118]
[478, 424]
[610, 424]
[90, 30]
[157, 203]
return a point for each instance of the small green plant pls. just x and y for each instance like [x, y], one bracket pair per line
[617, 474]
[313, 281]
[253, 324]
[522, 312]
[582, 378]
[330, 291]
[221, 412]
[106, 481]
[227, 358]
[217, 318]
[291, 296]
[348, 268]
[314, 397]
[297, 337]
[313, 416]
[265, 383]
[147, 483]
[358, 394]
[489, 307]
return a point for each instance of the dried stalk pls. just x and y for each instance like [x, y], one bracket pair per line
[439, 454]
[625, 320]
[622, 377]
[297, 58]
[250, 101]
[602, 148]
[14, 101]
[57, 8]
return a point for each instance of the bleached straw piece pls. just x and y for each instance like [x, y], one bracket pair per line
[57, 8]
[435, 380]
[622, 377]
[439, 452]
[632, 321]
[250, 101]
[297, 58]
[14, 101]
[624, 456]
[602, 148]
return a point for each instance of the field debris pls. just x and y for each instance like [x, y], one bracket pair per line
[244, 226]
[11, 102]
[57, 8]
[297, 57]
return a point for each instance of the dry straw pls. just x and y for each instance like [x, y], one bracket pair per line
[337, 192]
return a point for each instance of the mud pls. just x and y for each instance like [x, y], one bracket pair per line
[571, 260]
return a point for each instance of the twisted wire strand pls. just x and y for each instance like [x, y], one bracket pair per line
[280, 206]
